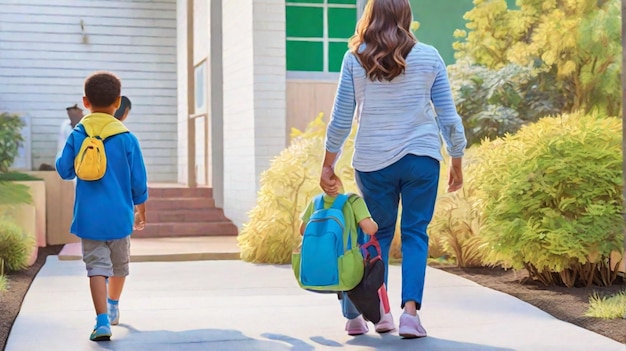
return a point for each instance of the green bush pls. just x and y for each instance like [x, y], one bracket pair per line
[494, 102]
[10, 139]
[14, 194]
[16, 247]
[551, 197]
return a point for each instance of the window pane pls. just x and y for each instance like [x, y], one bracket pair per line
[305, 56]
[341, 23]
[350, 2]
[305, 22]
[336, 51]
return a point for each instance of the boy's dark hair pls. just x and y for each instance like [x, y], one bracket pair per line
[124, 104]
[102, 89]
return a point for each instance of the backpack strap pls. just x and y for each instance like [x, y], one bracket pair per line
[318, 202]
[340, 201]
[113, 128]
[102, 125]
[351, 239]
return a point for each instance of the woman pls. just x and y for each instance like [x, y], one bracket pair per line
[393, 82]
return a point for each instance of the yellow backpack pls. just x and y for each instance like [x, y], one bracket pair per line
[91, 161]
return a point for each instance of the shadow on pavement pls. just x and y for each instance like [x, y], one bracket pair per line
[394, 342]
[189, 340]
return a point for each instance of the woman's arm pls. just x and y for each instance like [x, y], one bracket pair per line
[449, 121]
[343, 112]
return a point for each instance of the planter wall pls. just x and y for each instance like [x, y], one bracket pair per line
[59, 208]
[38, 193]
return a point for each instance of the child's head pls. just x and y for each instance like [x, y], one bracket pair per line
[124, 109]
[102, 92]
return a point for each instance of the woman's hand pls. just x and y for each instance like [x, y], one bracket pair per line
[455, 180]
[329, 182]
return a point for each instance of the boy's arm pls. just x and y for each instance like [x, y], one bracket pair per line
[368, 226]
[138, 176]
[362, 215]
[65, 159]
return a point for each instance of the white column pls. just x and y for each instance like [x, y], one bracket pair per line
[253, 96]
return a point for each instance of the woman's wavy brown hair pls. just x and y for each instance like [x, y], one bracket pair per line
[385, 29]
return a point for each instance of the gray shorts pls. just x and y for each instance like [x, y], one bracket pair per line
[106, 258]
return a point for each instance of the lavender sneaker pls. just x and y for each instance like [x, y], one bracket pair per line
[386, 324]
[356, 326]
[411, 327]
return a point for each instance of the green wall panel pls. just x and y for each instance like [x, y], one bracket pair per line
[347, 2]
[341, 22]
[305, 22]
[305, 56]
[335, 55]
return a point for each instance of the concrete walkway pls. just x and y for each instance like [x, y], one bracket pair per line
[232, 305]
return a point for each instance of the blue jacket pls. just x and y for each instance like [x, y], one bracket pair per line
[104, 209]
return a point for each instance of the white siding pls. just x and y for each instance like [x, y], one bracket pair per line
[183, 113]
[45, 55]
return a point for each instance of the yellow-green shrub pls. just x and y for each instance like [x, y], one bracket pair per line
[607, 307]
[552, 198]
[575, 43]
[16, 247]
[455, 229]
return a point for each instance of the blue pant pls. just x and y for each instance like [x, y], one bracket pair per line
[413, 180]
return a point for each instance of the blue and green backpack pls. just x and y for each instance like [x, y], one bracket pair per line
[329, 259]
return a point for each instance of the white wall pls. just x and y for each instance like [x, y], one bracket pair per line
[254, 98]
[45, 57]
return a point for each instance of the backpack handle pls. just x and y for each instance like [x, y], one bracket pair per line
[372, 243]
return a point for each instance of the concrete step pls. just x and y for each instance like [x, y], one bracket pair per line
[183, 229]
[179, 203]
[171, 249]
[188, 216]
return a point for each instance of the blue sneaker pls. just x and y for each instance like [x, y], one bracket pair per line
[101, 333]
[114, 313]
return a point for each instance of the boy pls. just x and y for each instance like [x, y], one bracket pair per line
[355, 208]
[106, 211]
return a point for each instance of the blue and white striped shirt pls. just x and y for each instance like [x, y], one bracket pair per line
[396, 118]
